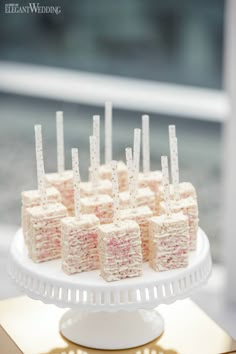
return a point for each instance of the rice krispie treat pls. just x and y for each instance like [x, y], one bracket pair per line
[169, 242]
[79, 244]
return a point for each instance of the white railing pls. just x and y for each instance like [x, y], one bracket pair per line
[131, 94]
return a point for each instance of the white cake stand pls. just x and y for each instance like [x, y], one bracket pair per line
[117, 315]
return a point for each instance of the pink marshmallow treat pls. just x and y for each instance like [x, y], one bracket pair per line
[145, 197]
[101, 205]
[141, 215]
[63, 182]
[79, 244]
[189, 208]
[104, 172]
[44, 228]
[169, 242]
[32, 198]
[152, 179]
[104, 187]
[186, 189]
[119, 249]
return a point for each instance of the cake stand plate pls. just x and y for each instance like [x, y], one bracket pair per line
[116, 315]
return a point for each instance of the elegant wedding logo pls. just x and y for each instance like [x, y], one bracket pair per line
[31, 8]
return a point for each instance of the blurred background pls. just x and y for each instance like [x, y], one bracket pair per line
[156, 57]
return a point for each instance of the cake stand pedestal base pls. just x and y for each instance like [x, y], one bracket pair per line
[111, 330]
[109, 315]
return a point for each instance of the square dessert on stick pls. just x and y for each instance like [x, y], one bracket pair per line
[98, 204]
[169, 233]
[105, 170]
[79, 233]
[182, 189]
[32, 198]
[104, 185]
[45, 231]
[148, 178]
[62, 180]
[44, 221]
[188, 205]
[119, 243]
[144, 196]
[139, 214]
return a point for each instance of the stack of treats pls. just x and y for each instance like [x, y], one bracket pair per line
[119, 242]
[169, 233]
[43, 222]
[62, 180]
[116, 220]
[79, 233]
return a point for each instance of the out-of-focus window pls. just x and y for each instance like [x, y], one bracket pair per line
[178, 42]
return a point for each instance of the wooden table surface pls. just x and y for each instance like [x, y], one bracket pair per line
[31, 327]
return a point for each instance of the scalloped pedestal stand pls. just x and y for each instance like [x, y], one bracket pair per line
[117, 315]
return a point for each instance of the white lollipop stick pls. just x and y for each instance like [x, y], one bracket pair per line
[172, 131]
[172, 135]
[115, 194]
[146, 143]
[93, 163]
[108, 132]
[175, 168]
[165, 183]
[174, 160]
[131, 174]
[136, 157]
[40, 164]
[96, 133]
[76, 181]
[137, 140]
[60, 143]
